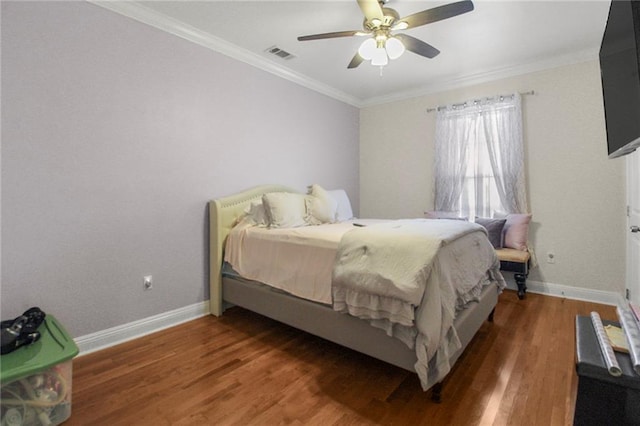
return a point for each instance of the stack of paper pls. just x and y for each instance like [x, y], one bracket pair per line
[617, 338]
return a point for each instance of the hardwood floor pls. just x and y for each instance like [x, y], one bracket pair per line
[244, 369]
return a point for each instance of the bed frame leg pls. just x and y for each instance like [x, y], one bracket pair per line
[436, 393]
[493, 311]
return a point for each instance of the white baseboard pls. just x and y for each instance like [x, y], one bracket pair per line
[122, 333]
[576, 293]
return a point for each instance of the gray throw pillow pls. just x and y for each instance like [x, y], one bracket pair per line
[494, 229]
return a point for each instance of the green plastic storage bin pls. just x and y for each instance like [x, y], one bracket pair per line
[36, 379]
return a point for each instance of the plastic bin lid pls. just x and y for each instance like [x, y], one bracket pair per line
[53, 347]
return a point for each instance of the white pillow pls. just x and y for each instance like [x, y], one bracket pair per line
[344, 205]
[285, 209]
[321, 207]
[256, 213]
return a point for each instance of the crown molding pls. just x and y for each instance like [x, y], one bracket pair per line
[162, 22]
[486, 76]
[138, 12]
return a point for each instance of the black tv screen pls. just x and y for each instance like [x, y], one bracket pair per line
[619, 68]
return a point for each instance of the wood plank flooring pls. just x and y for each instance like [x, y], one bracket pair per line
[243, 369]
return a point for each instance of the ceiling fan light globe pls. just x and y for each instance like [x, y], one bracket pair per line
[380, 57]
[395, 48]
[367, 49]
[402, 25]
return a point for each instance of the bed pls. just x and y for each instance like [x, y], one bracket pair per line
[227, 288]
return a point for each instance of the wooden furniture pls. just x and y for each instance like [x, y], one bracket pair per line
[312, 317]
[602, 398]
[516, 261]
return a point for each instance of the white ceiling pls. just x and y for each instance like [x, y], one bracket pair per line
[497, 39]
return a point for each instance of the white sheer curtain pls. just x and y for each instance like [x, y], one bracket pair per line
[451, 158]
[479, 168]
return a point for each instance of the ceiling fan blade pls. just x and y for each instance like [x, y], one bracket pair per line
[371, 9]
[329, 35]
[357, 60]
[437, 13]
[417, 46]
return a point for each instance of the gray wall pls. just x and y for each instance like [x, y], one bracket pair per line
[114, 137]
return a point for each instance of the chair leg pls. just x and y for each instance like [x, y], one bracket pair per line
[521, 280]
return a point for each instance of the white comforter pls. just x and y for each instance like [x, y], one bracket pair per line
[381, 271]
[405, 277]
[296, 260]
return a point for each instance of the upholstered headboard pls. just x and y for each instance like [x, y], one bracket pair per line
[223, 215]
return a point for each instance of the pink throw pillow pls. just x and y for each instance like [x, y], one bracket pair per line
[516, 231]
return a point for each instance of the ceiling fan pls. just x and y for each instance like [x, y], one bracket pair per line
[381, 22]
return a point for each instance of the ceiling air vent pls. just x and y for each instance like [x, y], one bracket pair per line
[275, 50]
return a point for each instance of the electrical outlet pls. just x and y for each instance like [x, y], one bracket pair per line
[551, 257]
[148, 282]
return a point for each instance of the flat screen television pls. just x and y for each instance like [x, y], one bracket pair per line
[619, 70]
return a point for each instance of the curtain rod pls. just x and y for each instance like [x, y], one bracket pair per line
[530, 92]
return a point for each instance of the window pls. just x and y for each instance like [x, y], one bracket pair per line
[480, 158]
[479, 195]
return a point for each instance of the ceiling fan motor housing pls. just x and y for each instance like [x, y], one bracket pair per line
[390, 17]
